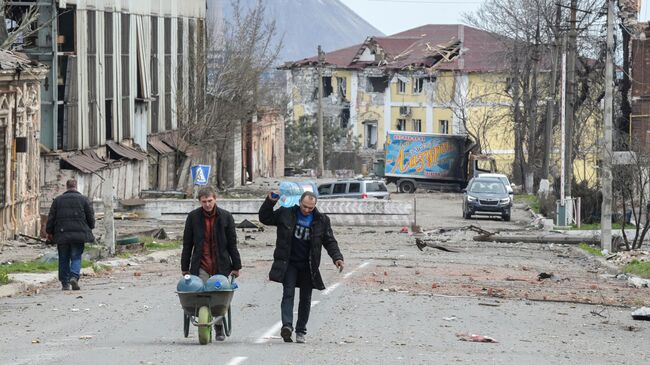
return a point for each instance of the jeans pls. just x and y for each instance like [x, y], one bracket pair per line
[69, 261]
[293, 276]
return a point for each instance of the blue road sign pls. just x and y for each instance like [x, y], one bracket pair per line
[200, 174]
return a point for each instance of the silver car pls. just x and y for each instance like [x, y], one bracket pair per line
[353, 189]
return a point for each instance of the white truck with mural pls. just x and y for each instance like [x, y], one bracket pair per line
[415, 160]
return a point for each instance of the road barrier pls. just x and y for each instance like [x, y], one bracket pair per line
[342, 212]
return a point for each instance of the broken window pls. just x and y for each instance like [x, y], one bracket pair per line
[192, 61]
[155, 84]
[417, 125]
[401, 87]
[370, 134]
[93, 118]
[66, 24]
[327, 86]
[345, 117]
[108, 54]
[418, 85]
[341, 83]
[3, 161]
[401, 124]
[377, 84]
[444, 126]
[126, 83]
[168, 74]
[179, 64]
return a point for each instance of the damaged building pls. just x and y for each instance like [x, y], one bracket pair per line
[119, 73]
[20, 122]
[409, 81]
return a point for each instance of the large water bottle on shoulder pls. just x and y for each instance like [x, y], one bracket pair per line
[291, 191]
[189, 283]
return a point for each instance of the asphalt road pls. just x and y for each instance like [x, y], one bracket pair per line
[392, 304]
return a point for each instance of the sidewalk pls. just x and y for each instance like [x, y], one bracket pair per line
[24, 282]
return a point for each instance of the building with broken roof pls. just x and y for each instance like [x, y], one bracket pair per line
[119, 71]
[417, 80]
[20, 122]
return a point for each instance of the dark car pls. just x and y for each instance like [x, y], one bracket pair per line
[486, 196]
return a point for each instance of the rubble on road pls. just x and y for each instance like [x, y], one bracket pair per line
[475, 338]
[642, 314]
[625, 257]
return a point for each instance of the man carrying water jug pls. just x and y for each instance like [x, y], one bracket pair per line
[210, 243]
[302, 232]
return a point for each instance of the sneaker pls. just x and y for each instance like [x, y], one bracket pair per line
[65, 286]
[300, 337]
[285, 332]
[218, 333]
[74, 282]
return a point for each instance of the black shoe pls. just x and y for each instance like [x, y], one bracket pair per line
[65, 286]
[74, 282]
[218, 333]
[285, 332]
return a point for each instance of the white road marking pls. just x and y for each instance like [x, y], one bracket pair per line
[278, 325]
[237, 360]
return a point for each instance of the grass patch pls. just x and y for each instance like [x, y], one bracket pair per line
[150, 244]
[124, 255]
[590, 250]
[34, 266]
[531, 200]
[4, 278]
[639, 268]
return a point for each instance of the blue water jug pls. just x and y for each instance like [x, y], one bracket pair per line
[189, 283]
[290, 192]
[216, 283]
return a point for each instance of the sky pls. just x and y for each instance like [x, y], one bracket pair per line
[393, 16]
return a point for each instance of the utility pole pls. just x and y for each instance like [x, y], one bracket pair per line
[552, 101]
[606, 207]
[321, 163]
[562, 210]
[570, 108]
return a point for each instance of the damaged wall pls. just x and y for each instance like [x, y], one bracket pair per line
[19, 149]
[120, 70]
[268, 145]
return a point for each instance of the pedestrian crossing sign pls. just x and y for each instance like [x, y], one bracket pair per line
[200, 174]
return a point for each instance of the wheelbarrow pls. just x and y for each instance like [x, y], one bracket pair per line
[204, 310]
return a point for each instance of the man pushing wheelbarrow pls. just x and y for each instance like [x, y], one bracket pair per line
[210, 248]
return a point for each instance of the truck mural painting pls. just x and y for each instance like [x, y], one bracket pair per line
[414, 159]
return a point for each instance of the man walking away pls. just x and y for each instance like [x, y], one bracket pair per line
[301, 233]
[210, 243]
[69, 225]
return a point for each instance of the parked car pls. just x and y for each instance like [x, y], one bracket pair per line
[486, 195]
[503, 178]
[353, 189]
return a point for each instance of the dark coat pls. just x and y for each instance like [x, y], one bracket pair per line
[71, 219]
[224, 240]
[321, 236]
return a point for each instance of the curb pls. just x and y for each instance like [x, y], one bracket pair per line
[23, 282]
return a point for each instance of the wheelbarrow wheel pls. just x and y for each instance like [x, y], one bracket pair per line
[186, 325]
[227, 323]
[205, 331]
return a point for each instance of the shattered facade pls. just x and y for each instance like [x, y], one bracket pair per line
[20, 122]
[409, 81]
[119, 72]
[640, 90]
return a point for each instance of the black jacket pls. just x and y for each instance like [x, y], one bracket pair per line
[71, 219]
[225, 239]
[321, 236]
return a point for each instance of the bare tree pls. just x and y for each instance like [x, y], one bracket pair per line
[529, 32]
[631, 189]
[20, 28]
[231, 67]
[481, 109]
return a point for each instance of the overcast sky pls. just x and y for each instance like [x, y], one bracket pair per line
[393, 16]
